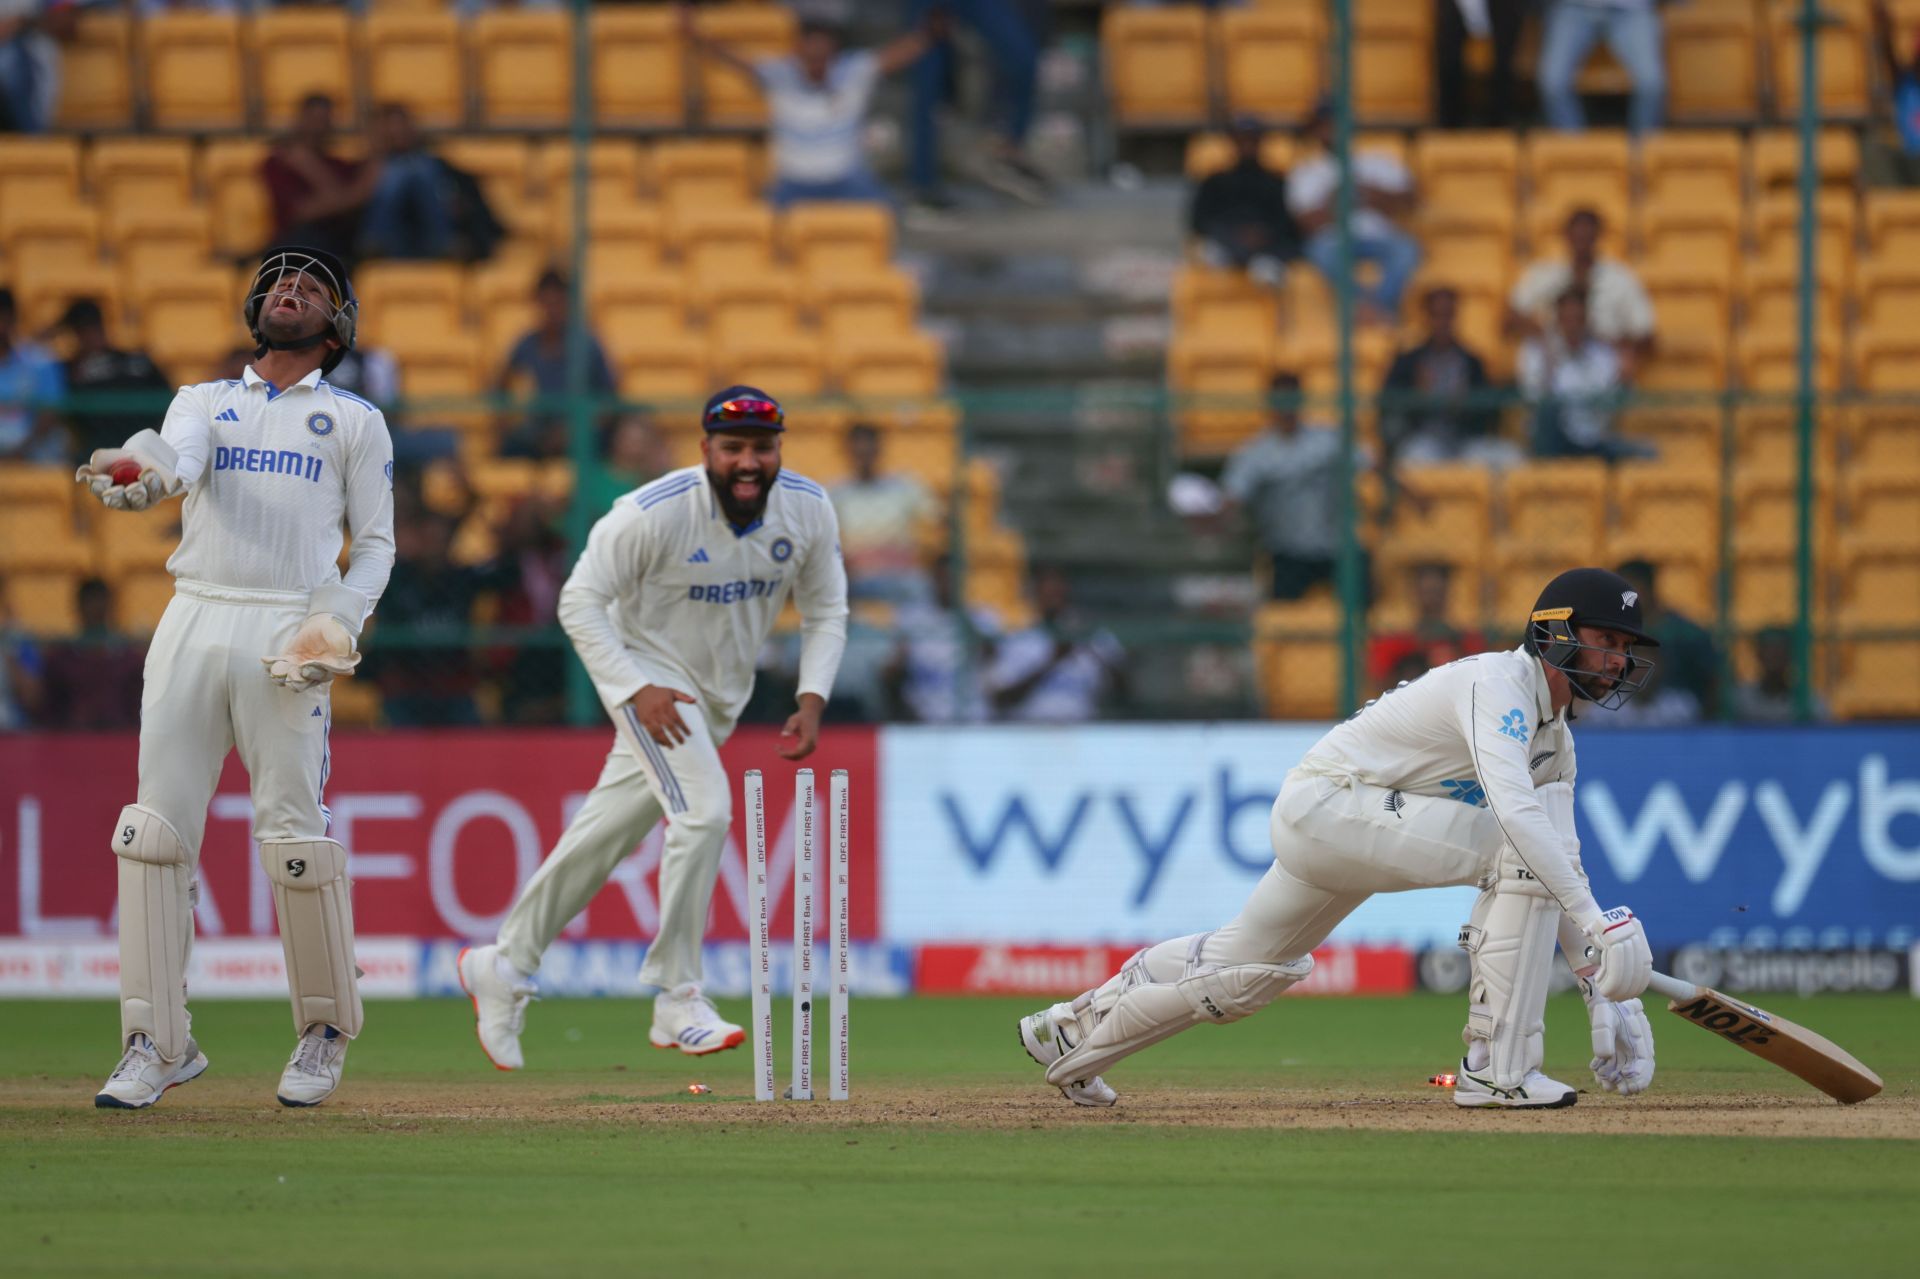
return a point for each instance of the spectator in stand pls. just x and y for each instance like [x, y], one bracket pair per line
[938, 671]
[817, 102]
[316, 195]
[31, 383]
[97, 367]
[1432, 640]
[1683, 687]
[92, 681]
[1453, 421]
[1768, 699]
[430, 598]
[31, 33]
[1240, 214]
[633, 452]
[1881, 163]
[882, 516]
[1382, 200]
[539, 361]
[1456, 22]
[1060, 670]
[1574, 382]
[20, 671]
[409, 211]
[1632, 29]
[1286, 480]
[1618, 308]
[1012, 33]
[528, 569]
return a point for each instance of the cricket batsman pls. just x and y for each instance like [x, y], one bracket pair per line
[272, 464]
[676, 592]
[1463, 776]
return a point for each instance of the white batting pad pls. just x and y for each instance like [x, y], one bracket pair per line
[156, 929]
[314, 900]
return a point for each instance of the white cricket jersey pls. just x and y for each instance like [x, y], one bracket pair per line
[1481, 730]
[669, 593]
[271, 475]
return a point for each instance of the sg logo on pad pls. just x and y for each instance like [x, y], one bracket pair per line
[296, 866]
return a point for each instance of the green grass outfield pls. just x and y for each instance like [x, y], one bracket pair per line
[1304, 1141]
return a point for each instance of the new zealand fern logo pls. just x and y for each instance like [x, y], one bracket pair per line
[1514, 725]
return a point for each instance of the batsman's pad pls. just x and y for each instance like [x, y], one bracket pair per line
[1160, 992]
[314, 900]
[156, 929]
[1510, 938]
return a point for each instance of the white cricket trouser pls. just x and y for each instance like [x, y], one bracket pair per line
[1338, 841]
[640, 783]
[205, 693]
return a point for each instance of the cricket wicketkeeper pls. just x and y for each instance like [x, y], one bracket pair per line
[271, 464]
[1463, 776]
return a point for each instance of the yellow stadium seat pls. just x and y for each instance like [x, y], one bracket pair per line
[838, 237]
[627, 310]
[1841, 48]
[1157, 66]
[1884, 437]
[1765, 590]
[43, 294]
[1520, 568]
[1694, 166]
[241, 217]
[613, 168]
[1206, 300]
[1568, 171]
[735, 238]
[1207, 154]
[399, 300]
[704, 170]
[1772, 302]
[1220, 382]
[750, 31]
[523, 67]
[1452, 504]
[1776, 228]
[1888, 292]
[1883, 508]
[188, 320]
[43, 603]
[747, 304]
[1392, 62]
[441, 367]
[133, 542]
[669, 371]
[855, 304]
[622, 238]
[1660, 503]
[1878, 680]
[1689, 298]
[149, 240]
[1692, 235]
[1766, 437]
[39, 536]
[1888, 358]
[416, 59]
[1766, 511]
[1299, 678]
[639, 67]
[1769, 360]
[1270, 60]
[139, 598]
[1776, 159]
[96, 73]
[786, 365]
[47, 238]
[503, 167]
[1468, 170]
[28, 484]
[1559, 504]
[1684, 436]
[193, 70]
[294, 52]
[1467, 243]
[894, 366]
[1880, 585]
[141, 173]
[1713, 62]
[1683, 362]
[1893, 224]
[35, 172]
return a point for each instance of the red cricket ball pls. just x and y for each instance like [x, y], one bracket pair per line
[125, 471]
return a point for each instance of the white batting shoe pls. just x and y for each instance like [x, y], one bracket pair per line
[500, 993]
[313, 1072]
[142, 1077]
[1473, 1089]
[1049, 1035]
[684, 1018]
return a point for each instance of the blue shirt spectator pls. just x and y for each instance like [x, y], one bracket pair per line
[30, 383]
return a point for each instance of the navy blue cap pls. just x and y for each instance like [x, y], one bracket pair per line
[743, 408]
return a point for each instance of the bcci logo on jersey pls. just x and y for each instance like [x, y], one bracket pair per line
[782, 550]
[320, 423]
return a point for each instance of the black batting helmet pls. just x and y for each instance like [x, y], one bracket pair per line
[1590, 597]
[331, 274]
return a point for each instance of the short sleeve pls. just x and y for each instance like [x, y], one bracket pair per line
[776, 75]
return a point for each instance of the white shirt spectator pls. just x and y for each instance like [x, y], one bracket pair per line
[880, 522]
[1067, 694]
[1618, 307]
[1313, 183]
[816, 127]
[1548, 370]
[943, 658]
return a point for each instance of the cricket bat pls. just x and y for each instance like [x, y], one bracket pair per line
[1795, 1049]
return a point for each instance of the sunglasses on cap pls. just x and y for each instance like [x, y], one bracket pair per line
[745, 412]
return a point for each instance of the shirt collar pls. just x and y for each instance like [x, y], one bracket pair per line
[251, 379]
[1542, 695]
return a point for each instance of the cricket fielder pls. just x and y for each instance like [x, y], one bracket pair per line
[675, 594]
[271, 464]
[1463, 776]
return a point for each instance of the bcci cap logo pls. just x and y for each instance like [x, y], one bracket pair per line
[320, 423]
[1628, 599]
[782, 550]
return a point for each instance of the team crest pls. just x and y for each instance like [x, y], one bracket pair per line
[782, 550]
[320, 423]
[1629, 598]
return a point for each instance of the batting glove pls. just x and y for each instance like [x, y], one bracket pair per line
[1620, 948]
[1622, 1043]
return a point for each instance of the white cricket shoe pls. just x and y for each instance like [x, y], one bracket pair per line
[314, 1070]
[500, 993]
[1048, 1035]
[684, 1018]
[141, 1077]
[1536, 1092]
